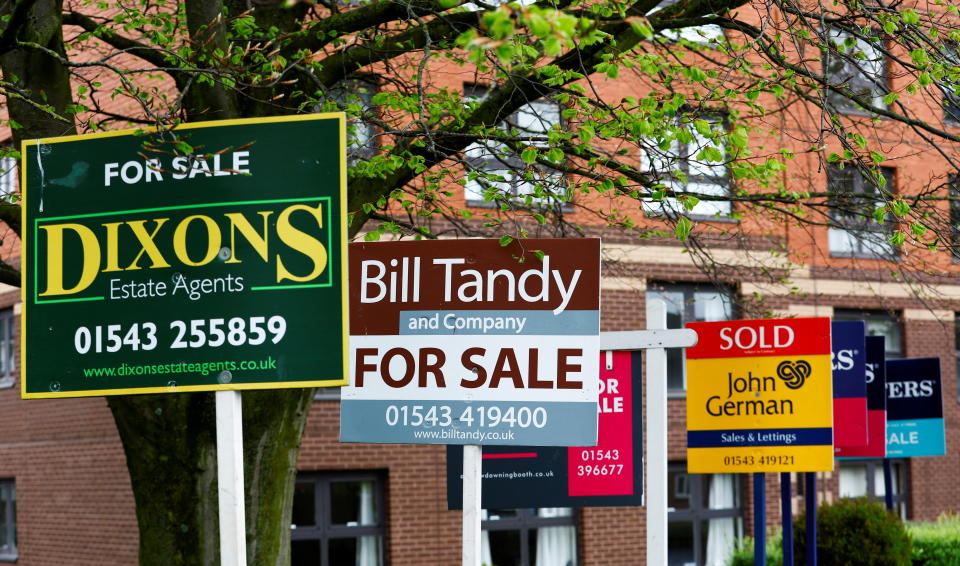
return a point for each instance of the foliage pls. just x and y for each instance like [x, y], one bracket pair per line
[743, 552]
[704, 123]
[855, 532]
[935, 544]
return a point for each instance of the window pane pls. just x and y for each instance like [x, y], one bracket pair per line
[720, 491]
[352, 503]
[678, 484]
[304, 513]
[305, 553]
[360, 551]
[504, 548]
[711, 306]
[554, 546]
[680, 543]
[718, 538]
[853, 480]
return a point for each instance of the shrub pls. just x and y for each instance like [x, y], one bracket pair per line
[743, 553]
[936, 544]
[855, 532]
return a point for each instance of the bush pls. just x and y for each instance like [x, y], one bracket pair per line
[743, 553]
[855, 532]
[936, 544]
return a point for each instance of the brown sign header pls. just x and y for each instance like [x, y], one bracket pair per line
[386, 278]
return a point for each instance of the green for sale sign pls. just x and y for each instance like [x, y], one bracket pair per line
[211, 256]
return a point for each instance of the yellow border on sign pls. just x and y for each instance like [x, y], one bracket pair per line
[344, 304]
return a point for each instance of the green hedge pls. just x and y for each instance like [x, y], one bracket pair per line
[936, 544]
[931, 544]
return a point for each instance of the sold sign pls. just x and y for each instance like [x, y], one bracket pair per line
[758, 397]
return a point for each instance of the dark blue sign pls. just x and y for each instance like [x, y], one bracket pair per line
[876, 374]
[608, 474]
[849, 383]
[914, 408]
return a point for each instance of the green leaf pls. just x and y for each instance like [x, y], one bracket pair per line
[505, 240]
[900, 208]
[897, 239]
[683, 228]
[529, 155]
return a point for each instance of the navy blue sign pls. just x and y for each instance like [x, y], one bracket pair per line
[876, 374]
[914, 408]
[849, 383]
[608, 474]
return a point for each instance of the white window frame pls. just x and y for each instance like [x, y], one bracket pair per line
[679, 168]
[857, 234]
[862, 65]
[705, 34]
[8, 349]
[8, 508]
[484, 158]
[324, 530]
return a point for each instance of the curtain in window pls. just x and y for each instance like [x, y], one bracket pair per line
[853, 481]
[368, 547]
[721, 532]
[556, 546]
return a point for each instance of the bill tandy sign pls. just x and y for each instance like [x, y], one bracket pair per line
[471, 342]
[609, 474]
[759, 396]
[208, 257]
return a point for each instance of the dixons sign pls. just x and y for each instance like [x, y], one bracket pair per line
[758, 396]
[471, 342]
[150, 270]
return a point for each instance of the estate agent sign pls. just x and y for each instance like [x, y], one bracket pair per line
[849, 383]
[207, 257]
[609, 474]
[915, 408]
[876, 374]
[472, 342]
[759, 394]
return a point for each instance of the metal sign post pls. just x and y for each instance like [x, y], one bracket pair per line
[233, 540]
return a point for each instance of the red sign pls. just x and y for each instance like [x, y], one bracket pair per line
[769, 337]
[608, 468]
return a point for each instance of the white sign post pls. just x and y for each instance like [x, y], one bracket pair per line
[233, 540]
[472, 458]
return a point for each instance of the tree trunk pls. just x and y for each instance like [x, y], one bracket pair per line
[41, 79]
[170, 443]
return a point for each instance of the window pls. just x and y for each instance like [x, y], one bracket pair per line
[857, 66]
[853, 199]
[689, 303]
[8, 520]
[338, 518]
[529, 537]
[956, 347]
[492, 166]
[953, 192]
[8, 178]
[355, 97]
[864, 478]
[949, 85]
[692, 163]
[879, 323]
[705, 518]
[696, 34]
[8, 360]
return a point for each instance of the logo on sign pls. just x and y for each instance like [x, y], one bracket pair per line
[746, 337]
[910, 389]
[794, 374]
[843, 360]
